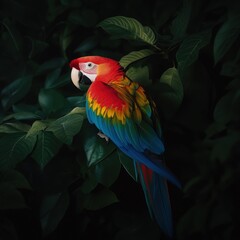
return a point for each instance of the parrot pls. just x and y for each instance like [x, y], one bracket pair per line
[124, 113]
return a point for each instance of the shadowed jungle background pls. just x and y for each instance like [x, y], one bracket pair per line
[58, 180]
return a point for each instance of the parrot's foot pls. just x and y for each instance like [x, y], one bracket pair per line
[102, 135]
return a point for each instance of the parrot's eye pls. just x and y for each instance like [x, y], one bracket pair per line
[89, 65]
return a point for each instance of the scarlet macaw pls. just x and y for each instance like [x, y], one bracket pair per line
[123, 112]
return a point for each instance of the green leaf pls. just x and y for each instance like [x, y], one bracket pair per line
[53, 209]
[227, 108]
[46, 148]
[66, 37]
[107, 171]
[51, 65]
[51, 100]
[87, 45]
[15, 91]
[21, 116]
[134, 56]
[138, 72]
[38, 47]
[54, 80]
[22, 107]
[89, 184]
[223, 146]
[128, 164]
[61, 172]
[16, 179]
[96, 148]
[193, 221]
[11, 198]
[14, 127]
[226, 37]
[192, 183]
[66, 127]
[180, 23]
[14, 148]
[85, 17]
[52, 77]
[128, 28]
[77, 101]
[99, 199]
[81, 110]
[13, 33]
[234, 84]
[230, 69]
[37, 126]
[169, 92]
[189, 49]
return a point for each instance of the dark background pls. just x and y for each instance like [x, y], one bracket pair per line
[56, 195]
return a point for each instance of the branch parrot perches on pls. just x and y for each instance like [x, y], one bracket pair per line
[123, 112]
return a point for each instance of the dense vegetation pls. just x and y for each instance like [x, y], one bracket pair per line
[58, 180]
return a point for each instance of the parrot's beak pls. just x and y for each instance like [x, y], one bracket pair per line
[80, 80]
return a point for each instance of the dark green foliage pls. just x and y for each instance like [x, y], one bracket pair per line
[58, 179]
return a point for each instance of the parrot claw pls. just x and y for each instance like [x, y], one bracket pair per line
[102, 135]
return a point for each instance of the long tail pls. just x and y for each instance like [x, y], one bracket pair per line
[157, 197]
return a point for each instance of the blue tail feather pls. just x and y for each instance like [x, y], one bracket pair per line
[157, 198]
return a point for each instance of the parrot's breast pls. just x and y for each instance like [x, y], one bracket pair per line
[104, 101]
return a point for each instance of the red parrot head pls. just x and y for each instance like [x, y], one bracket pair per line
[86, 70]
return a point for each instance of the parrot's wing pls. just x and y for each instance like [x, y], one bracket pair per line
[125, 114]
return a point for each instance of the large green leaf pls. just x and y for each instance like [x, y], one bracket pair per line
[77, 101]
[13, 33]
[89, 184]
[16, 179]
[66, 127]
[107, 171]
[85, 17]
[22, 116]
[223, 146]
[227, 108]
[52, 77]
[53, 209]
[230, 69]
[14, 148]
[37, 126]
[99, 199]
[15, 91]
[134, 56]
[169, 92]
[193, 221]
[128, 164]
[138, 72]
[52, 64]
[14, 127]
[128, 28]
[96, 148]
[225, 37]
[51, 100]
[46, 148]
[54, 80]
[180, 23]
[189, 49]
[11, 198]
